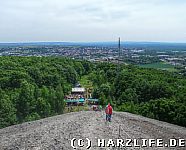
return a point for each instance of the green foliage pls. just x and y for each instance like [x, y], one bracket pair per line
[105, 88]
[59, 100]
[152, 93]
[26, 102]
[128, 107]
[34, 87]
[103, 101]
[33, 116]
[128, 96]
[166, 110]
[7, 111]
[43, 107]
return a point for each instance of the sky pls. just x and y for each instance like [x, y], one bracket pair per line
[92, 20]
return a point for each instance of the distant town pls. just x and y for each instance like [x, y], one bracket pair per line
[161, 57]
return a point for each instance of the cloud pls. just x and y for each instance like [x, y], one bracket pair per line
[92, 20]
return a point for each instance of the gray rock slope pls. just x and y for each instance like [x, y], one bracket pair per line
[55, 133]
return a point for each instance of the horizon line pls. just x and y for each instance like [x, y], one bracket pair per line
[27, 42]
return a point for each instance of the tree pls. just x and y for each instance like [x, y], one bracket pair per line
[79, 68]
[71, 75]
[106, 89]
[129, 96]
[33, 116]
[102, 99]
[26, 102]
[7, 111]
[60, 103]
[43, 107]
[52, 100]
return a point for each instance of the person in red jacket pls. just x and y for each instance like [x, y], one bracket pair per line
[108, 112]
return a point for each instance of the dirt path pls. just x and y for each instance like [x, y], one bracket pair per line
[55, 133]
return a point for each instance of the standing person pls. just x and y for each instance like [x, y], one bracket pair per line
[108, 112]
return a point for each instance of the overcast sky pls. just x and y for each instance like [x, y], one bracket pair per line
[92, 20]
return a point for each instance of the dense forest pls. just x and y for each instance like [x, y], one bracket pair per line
[34, 87]
[149, 92]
